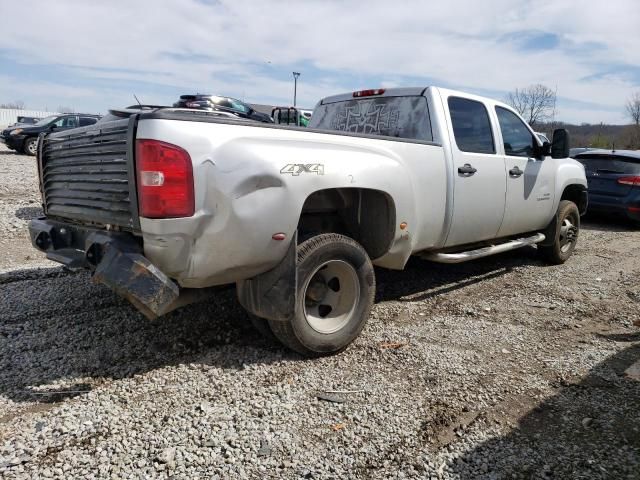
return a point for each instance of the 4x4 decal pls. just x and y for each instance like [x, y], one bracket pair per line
[296, 169]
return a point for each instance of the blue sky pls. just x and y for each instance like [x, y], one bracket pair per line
[96, 55]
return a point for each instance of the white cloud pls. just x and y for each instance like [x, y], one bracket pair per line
[457, 43]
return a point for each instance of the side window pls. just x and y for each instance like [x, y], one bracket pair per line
[67, 122]
[517, 138]
[471, 125]
[84, 121]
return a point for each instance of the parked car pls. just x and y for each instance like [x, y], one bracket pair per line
[614, 181]
[225, 104]
[182, 200]
[577, 150]
[26, 120]
[291, 116]
[24, 138]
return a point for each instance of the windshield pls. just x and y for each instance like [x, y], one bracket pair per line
[46, 120]
[238, 105]
[402, 117]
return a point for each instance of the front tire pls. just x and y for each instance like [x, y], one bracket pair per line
[335, 293]
[31, 146]
[566, 230]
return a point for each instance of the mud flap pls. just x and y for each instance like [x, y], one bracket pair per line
[135, 278]
[272, 295]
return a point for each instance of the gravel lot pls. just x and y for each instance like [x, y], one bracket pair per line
[500, 368]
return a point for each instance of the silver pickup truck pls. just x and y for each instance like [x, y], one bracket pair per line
[163, 203]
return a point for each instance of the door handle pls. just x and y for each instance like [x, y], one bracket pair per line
[467, 170]
[515, 172]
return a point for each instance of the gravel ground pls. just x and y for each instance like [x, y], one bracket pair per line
[500, 368]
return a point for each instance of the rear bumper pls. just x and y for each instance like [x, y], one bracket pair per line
[115, 258]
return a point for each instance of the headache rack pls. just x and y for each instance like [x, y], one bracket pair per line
[87, 175]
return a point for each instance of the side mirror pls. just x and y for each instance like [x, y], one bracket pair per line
[52, 126]
[540, 151]
[560, 143]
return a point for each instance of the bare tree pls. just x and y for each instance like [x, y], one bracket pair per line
[536, 103]
[17, 105]
[633, 108]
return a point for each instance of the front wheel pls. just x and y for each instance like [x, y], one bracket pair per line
[31, 146]
[567, 228]
[335, 293]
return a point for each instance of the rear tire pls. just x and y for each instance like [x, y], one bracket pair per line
[335, 293]
[31, 146]
[566, 230]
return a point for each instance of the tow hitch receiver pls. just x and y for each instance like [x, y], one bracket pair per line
[135, 278]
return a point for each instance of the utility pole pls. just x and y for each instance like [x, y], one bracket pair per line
[295, 86]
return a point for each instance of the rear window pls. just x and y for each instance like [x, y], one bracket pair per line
[609, 163]
[400, 117]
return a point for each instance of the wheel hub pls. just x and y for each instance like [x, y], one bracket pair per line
[568, 234]
[330, 296]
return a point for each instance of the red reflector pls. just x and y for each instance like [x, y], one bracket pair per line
[278, 236]
[633, 209]
[369, 93]
[165, 180]
[634, 180]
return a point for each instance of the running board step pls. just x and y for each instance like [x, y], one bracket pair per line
[460, 257]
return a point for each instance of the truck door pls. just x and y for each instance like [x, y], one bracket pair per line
[479, 176]
[530, 181]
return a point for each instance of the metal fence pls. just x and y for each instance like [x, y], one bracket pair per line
[9, 116]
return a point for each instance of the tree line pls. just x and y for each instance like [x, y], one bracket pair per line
[537, 105]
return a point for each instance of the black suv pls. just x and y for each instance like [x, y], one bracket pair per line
[24, 138]
[224, 104]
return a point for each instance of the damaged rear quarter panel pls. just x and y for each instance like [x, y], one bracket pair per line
[243, 196]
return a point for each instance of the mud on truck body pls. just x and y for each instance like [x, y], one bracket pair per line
[164, 203]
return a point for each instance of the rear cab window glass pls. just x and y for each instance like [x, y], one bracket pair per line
[518, 140]
[401, 117]
[471, 125]
[604, 163]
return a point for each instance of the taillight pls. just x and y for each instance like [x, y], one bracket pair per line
[369, 93]
[634, 180]
[165, 180]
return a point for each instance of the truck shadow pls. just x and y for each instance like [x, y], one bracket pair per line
[58, 325]
[28, 213]
[61, 335]
[422, 279]
[601, 222]
[589, 429]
